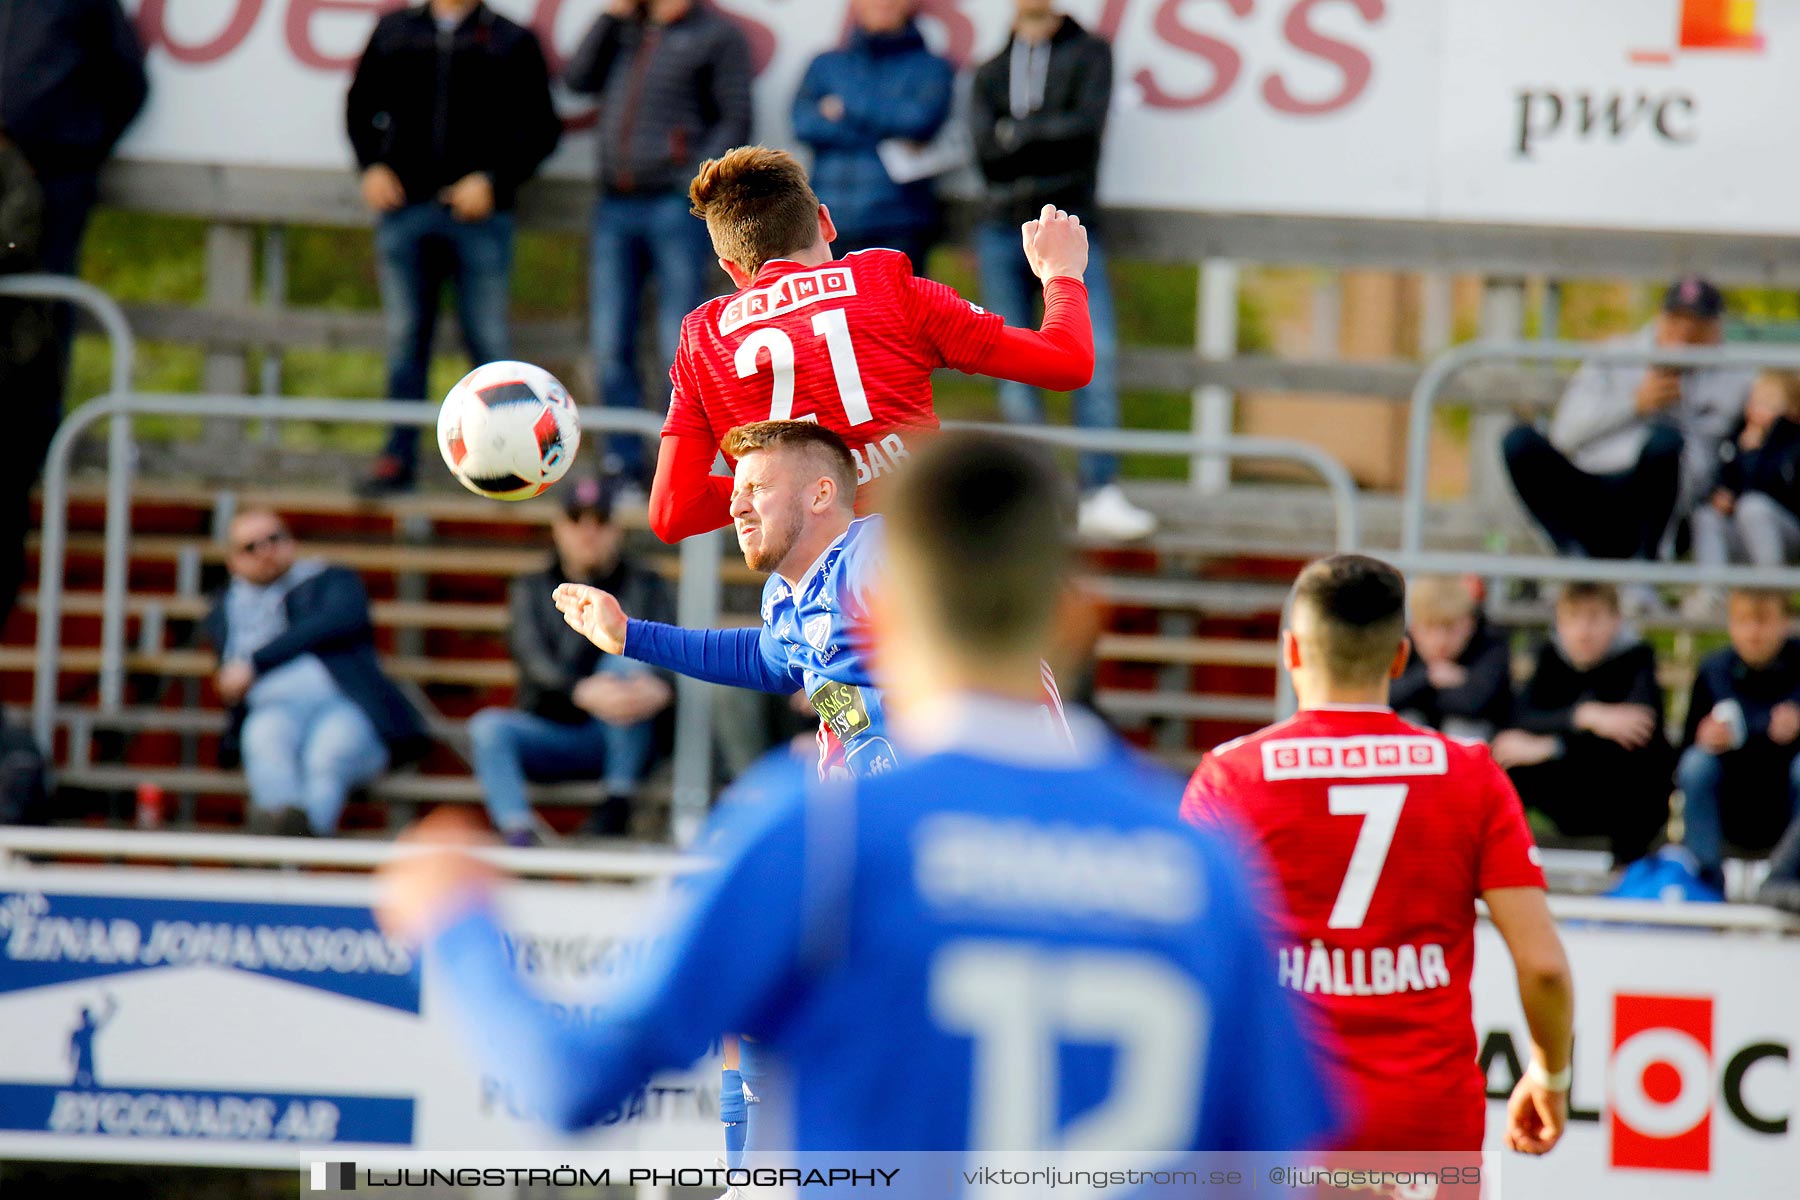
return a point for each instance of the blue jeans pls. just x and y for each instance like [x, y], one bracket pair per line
[512, 747]
[1009, 288]
[1701, 776]
[310, 754]
[636, 237]
[418, 248]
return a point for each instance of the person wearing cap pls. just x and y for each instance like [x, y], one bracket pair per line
[1630, 447]
[580, 713]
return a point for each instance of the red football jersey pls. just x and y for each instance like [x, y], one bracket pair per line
[851, 344]
[1382, 835]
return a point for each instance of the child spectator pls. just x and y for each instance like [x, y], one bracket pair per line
[1740, 771]
[1459, 678]
[1587, 748]
[1754, 511]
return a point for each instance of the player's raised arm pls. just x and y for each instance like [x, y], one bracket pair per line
[1539, 1108]
[686, 498]
[1060, 354]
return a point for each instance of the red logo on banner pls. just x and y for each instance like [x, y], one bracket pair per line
[1660, 1111]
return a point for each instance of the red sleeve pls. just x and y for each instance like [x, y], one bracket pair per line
[1199, 802]
[686, 497]
[1060, 356]
[956, 333]
[687, 411]
[1509, 857]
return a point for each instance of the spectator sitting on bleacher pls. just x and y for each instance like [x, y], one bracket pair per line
[582, 713]
[1740, 772]
[1458, 679]
[1753, 514]
[1630, 448]
[1587, 748]
[312, 716]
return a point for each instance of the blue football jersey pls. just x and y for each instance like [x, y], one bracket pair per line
[818, 631]
[966, 953]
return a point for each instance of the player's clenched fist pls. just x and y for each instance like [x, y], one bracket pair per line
[594, 614]
[1056, 244]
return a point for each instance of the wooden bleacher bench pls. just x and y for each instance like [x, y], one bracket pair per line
[1194, 651]
[400, 788]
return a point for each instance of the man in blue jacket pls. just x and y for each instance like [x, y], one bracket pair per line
[312, 716]
[884, 85]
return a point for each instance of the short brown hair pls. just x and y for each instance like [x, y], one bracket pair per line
[1587, 591]
[827, 449]
[1758, 595]
[1350, 610]
[757, 205]
[984, 522]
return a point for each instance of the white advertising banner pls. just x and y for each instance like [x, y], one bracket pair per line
[1684, 1087]
[250, 1018]
[1670, 114]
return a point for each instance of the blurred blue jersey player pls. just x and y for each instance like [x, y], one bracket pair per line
[1009, 942]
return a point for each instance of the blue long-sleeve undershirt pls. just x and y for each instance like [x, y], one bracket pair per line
[734, 657]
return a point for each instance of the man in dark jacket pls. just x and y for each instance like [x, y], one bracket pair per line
[312, 716]
[1458, 679]
[71, 81]
[1587, 748]
[1740, 772]
[884, 86]
[582, 714]
[673, 81]
[449, 113]
[1037, 112]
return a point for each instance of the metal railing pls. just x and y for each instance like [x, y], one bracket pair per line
[120, 451]
[697, 596]
[1429, 393]
[1336, 477]
[25, 848]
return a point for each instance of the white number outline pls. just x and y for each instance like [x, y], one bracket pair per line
[1018, 1004]
[834, 326]
[1378, 804]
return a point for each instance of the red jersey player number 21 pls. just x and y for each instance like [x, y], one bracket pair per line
[850, 343]
[1382, 835]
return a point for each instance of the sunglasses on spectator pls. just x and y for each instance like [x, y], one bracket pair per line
[267, 540]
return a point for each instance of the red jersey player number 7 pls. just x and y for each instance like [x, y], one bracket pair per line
[1381, 836]
[850, 343]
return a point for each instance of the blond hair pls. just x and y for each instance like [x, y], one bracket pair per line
[1439, 599]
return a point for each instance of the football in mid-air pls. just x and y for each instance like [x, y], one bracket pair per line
[508, 430]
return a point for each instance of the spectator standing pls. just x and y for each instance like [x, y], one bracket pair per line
[449, 113]
[1587, 748]
[312, 716]
[1740, 772]
[1458, 679]
[581, 713]
[673, 81]
[71, 82]
[1630, 447]
[1753, 514]
[1037, 113]
[883, 86]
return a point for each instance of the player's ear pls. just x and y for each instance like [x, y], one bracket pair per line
[827, 228]
[739, 276]
[1397, 668]
[1290, 651]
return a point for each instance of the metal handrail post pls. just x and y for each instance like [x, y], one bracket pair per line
[120, 454]
[1429, 391]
